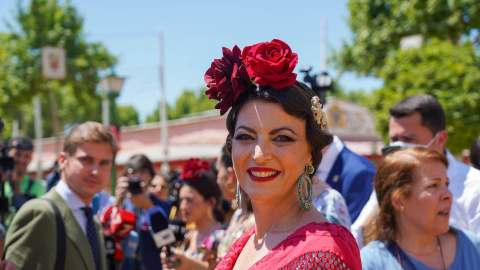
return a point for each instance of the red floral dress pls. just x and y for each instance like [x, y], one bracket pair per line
[313, 246]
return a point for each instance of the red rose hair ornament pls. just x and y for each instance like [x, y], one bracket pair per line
[227, 78]
[271, 63]
[267, 63]
[192, 169]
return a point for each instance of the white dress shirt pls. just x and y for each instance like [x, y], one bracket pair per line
[75, 203]
[329, 158]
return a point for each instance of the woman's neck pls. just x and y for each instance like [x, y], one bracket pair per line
[415, 241]
[206, 226]
[278, 218]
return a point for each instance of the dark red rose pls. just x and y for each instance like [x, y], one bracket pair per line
[193, 168]
[271, 63]
[227, 78]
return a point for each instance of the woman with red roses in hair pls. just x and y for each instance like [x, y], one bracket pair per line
[276, 136]
[199, 197]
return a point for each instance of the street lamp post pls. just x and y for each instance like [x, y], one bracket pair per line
[112, 85]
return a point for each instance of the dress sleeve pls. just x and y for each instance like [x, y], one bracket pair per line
[323, 246]
[318, 260]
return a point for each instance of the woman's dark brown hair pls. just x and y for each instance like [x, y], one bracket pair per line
[296, 101]
[395, 176]
[207, 187]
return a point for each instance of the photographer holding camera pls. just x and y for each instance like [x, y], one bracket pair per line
[132, 194]
[19, 187]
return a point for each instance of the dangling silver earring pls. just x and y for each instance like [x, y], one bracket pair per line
[305, 204]
[239, 196]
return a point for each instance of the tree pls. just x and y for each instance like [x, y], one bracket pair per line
[379, 25]
[46, 23]
[127, 116]
[188, 102]
[449, 72]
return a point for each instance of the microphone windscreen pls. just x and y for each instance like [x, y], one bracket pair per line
[122, 223]
[161, 234]
[179, 229]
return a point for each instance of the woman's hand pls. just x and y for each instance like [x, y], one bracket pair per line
[7, 265]
[171, 259]
[142, 200]
[121, 190]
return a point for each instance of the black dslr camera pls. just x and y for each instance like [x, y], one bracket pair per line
[6, 162]
[134, 186]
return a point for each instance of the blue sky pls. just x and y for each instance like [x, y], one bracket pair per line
[195, 32]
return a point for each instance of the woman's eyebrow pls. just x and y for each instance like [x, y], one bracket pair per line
[246, 128]
[280, 129]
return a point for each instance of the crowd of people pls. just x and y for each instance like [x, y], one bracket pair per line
[283, 193]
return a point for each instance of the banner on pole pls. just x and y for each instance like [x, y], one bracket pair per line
[53, 63]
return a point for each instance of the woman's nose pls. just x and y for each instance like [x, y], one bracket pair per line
[262, 153]
[447, 195]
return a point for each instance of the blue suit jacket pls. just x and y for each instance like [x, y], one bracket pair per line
[352, 175]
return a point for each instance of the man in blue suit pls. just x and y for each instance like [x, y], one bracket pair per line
[350, 174]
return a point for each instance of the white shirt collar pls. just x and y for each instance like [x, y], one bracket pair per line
[69, 196]
[330, 156]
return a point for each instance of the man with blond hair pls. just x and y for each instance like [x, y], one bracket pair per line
[35, 239]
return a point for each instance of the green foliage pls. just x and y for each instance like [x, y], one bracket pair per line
[126, 116]
[378, 26]
[449, 72]
[358, 97]
[48, 23]
[188, 102]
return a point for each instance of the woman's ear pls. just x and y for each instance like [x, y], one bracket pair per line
[398, 201]
[212, 202]
[231, 178]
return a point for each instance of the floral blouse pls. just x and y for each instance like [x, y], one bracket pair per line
[333, 206]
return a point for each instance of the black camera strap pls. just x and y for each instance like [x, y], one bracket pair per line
[61, 237]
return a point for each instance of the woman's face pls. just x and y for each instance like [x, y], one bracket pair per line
[143, 174]
[428, 207]
[159, 187]
[227, 187]
[270, 151]
[193, 206]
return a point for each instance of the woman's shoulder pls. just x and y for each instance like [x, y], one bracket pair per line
[468, 240]
[321, 241]
[375, 255]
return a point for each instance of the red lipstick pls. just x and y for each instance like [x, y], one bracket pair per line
[262, 174]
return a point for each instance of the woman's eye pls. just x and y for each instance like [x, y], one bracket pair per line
[282, 138]
[243, 137]
[433, 185]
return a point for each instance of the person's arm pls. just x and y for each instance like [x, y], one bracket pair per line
[30, 241]
[182, 262]
[357, 191]
[7, 265]
[357, 226]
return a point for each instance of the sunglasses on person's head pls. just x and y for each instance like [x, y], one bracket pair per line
[165, 186]
[387, 150]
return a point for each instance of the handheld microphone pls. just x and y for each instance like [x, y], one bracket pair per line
[162, 235]
[179, 228]
[130, 245]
